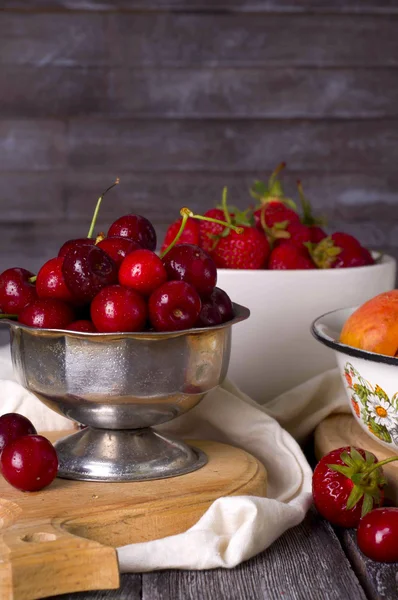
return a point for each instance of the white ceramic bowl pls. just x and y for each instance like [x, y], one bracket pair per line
[274, 350]
[370, 380]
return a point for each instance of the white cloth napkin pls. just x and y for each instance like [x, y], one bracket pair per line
[235, 528]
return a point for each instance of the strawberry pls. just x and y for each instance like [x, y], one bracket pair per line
[274, 208]
[209, 231]
[347, 483]
[299, 234]
[190, 235]
[338, 251]
[313, 223]
[288, 255]
[247, 250]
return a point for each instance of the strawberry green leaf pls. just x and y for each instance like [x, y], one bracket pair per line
[347, 471]
[354, 497]
[367, 505]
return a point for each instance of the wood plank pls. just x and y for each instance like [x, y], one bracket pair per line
[130, 589]
[227, 146]
[342, 197]
[56, 91]
[252, 93]
[31, 197]
[200, 39]
[302, 564]
[366, 6]
[32, 145]
[379, 580]
[53, 91]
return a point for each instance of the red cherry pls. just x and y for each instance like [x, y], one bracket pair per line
[118, 248]
[29, 463]
[82, 325]
[174, 306]
[50, 282]
[46, 313]
[209, 315]
[142, 271]
[73, 244]
[118, 309]
[193, 265]
[136, 228]
[223, 303]
[15, 290]
[217, 309]
[87, 270]
[12, 427]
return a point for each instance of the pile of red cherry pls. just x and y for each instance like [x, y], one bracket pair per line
[117, 283]
[28, 461]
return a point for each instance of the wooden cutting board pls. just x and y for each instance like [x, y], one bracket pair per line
[63, 538]
[343, 430]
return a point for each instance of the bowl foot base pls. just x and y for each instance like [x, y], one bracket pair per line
[125, 455]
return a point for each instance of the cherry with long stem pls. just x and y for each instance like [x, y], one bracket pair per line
[97, 207]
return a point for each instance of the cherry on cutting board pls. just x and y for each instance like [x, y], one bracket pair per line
[142, 271]
[189, 263]
[15, 290]
[117, 309]
[174, 306]
[50, 282]
[29, 463]
[87, 270]
[118, 248]
[136, 228]
[82, 326]
[47, 313]
[12, 427]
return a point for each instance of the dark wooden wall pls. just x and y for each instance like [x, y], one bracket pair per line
[181, 98]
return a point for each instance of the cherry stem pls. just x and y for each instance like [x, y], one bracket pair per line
[225, 206]
[32, 279]
[185, 217]
[95, 215]
[5, 316]
[211, 220]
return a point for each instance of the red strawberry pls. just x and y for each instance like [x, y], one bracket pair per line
[355, 257]
[190, 235]
[339, 251]
[247, 250]
[299, 233]
[288, 255]
[274, 207]
[347, 483]
[316, 232]
[209, 231]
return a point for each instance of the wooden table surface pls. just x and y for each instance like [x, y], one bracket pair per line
[309, 562]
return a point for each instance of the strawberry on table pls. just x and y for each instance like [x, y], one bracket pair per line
[348, 483]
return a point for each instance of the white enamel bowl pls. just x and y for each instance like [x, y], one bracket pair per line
[274, 351]
[370, 380]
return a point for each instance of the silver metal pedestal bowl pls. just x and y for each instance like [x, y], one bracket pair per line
[121, 385]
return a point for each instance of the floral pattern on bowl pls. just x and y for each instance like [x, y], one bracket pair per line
[372, 406]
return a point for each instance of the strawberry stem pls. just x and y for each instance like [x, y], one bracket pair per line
[225, 206]
[275, 173]
[97, 207]
[184, 212]
[380, 464]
